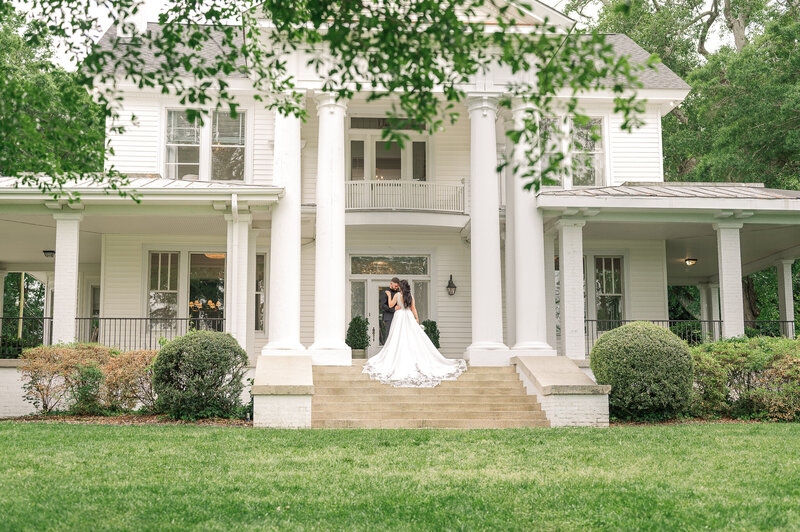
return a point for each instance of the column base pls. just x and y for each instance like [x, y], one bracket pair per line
[488, 354]
[536, 349]
[330, 356]
[278, 350]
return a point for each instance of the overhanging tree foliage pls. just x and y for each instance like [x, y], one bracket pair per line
[420, 54]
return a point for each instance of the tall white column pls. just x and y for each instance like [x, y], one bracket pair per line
[716, 329]
[284, 260]
[531, 302]
[487, 348]
[706, 310]
[329, 347]
[786, 297]
[237, 283]
[550, 288]
[729, 257]
[570, 261]
[508, 249]
[65, 296]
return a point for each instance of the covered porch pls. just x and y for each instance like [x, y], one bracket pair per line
[618, 250]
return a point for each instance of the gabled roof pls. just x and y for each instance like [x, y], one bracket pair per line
[660, 78]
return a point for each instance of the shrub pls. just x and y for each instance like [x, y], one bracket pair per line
[86, 382]
[748, 378]
[50, 373]
[432, 330]
[358, 333]
[129, 380]
[199, 375]
[649, 369]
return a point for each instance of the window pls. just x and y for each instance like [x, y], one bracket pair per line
[261, 292]
[399, 265]
[588, 158]
[551, 138]
[608, 291]
[207, 290]
[419, 161]
[214, 150]
[372, 157]
[163, 285]
[419, 292]
[358, 298]
[357, 160]
[227, 146]
[183, 147]
[388, 161]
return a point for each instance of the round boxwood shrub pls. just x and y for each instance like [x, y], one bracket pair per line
[649, 368]
[199, 375]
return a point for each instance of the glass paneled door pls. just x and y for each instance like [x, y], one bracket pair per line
[377, 327]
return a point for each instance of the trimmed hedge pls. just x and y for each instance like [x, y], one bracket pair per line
[199, 375]
[649, 369]
[357, 336]
[753, 378]
[432, 330]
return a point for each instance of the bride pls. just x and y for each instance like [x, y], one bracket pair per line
[408, 357]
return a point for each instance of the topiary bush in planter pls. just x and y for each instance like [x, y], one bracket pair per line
[199, 375]
[432, 330]
[358, 335]
[649, 368]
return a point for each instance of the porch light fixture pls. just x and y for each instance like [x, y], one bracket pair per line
[214, 255]
[690, 262]
[49, 253]
[451, 286]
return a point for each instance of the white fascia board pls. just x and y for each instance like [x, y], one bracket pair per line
[178, 195]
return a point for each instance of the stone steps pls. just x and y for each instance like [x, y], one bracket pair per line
[484, 397]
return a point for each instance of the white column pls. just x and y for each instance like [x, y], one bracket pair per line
[550, 288]
[729, 257]
[785, 296]
[716, 329]
[529, 254]
[65, 296]
[236, 278]
[570, 261]
[284, 259]
[329, 347]
[706, 310]
[510, 276]
[487, 348]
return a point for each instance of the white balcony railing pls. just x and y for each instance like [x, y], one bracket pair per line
[404, 196]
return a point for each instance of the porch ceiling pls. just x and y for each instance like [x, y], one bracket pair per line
[762, 245]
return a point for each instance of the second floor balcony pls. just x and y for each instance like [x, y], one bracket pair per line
[401, 195]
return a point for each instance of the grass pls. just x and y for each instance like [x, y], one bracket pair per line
[679, 477]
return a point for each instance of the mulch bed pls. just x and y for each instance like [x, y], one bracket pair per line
[690, 421]
[128, 419]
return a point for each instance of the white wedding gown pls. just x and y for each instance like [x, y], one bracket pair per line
[409, 358]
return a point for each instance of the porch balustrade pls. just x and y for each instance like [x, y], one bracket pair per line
[404, 196]
[129, 334]
[18, 333]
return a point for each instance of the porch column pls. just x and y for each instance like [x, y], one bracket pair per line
[729, 257]
[570, 261]
[329, 347]
[65, 294]
[705, 310]
[487, 348]
[529, 251]
[786, 297]
[284, 258]
[715, 315]
[236, 279]
[550, 288]
[508, 248]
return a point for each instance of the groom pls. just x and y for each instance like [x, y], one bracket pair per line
[388, 312]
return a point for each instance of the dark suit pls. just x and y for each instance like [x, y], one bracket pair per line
[388, 314]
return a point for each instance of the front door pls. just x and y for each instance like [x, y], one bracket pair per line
[377, 329]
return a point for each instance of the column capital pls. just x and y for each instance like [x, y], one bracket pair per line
[329, 101]
[779, 262]
[570, 222]
[483, 103]
[76, 216]
[727, 225]
[519, 105]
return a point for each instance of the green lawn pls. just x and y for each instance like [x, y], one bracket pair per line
[731, 476]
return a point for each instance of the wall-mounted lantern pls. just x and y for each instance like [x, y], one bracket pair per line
[451, 286]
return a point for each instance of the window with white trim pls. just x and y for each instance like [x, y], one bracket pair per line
[163, 284]
[261, 292]
[608, 290]
[374, 158]
[587, 153]
[214, 150]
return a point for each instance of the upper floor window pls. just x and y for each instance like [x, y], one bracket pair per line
[214, 150]
[588, 155]
[372, 157]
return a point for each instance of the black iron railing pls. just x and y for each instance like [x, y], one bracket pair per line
[129, 334]
[692, 331]
[18, 333]
[770, 328]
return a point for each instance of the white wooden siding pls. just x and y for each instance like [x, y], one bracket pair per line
[137, 149]
[263, 145]
[636, 156]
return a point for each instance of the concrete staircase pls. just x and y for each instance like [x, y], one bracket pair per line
[483, 397]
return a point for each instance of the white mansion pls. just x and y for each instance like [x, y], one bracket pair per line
[279, 232]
